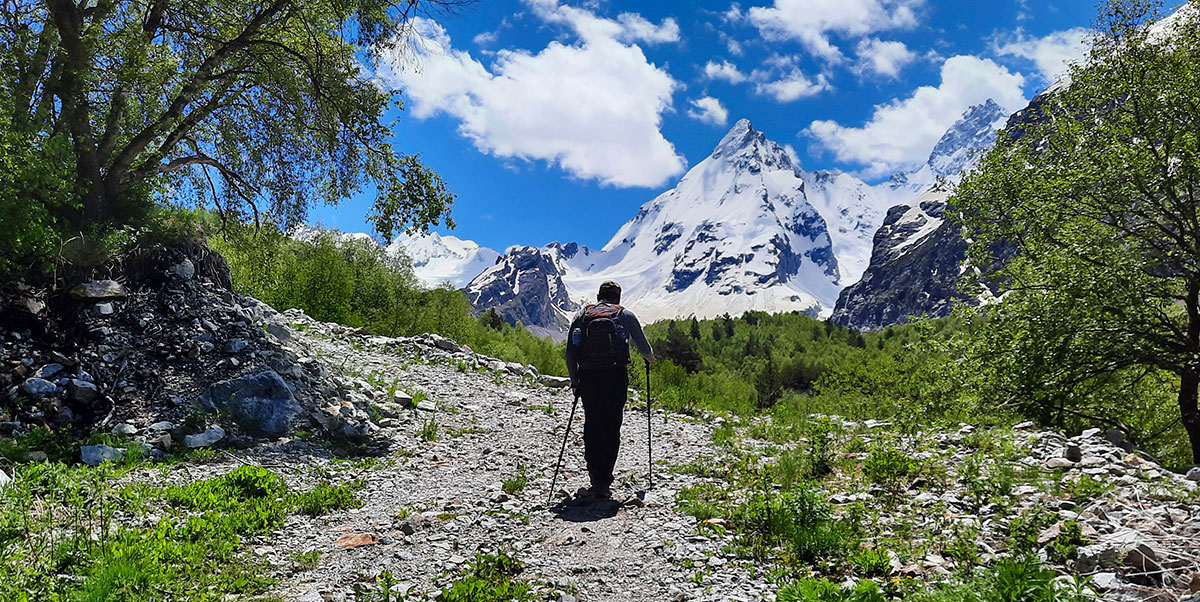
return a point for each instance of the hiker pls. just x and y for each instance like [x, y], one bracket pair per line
[597, 359]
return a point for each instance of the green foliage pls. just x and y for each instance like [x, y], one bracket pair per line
[1094, 206]
[823, 590]
[355, 282]
[429, 430]
[325, 497]
[1012, 579]
[890, 468]
[227, 104]
[60, 539]
[871, 562]
[490, 578]
[516, 484]
[800, 519]
[1023, 530]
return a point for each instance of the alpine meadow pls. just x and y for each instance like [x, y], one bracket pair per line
[778, 300]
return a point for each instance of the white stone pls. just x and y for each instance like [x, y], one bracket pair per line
[125, 430]
[205, 439]
[4, 479]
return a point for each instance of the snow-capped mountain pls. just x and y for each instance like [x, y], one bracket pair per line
[917, 259]
[736, 233]
[437, 259]
[746, 228]
[526, 286]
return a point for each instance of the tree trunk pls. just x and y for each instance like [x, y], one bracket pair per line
[68, 18]
[1189, 383]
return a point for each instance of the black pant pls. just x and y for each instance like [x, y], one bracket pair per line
[603, 394]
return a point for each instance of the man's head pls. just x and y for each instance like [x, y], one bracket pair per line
[610, 292]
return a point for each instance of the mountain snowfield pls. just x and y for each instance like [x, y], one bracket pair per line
[437, 259]
[747, 228]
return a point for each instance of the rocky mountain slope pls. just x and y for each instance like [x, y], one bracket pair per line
[746, 228]
[917, 258]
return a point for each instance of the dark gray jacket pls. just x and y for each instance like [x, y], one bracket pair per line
[636, 336]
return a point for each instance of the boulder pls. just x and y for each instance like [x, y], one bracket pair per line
[1073, 453]
[206, 439]
[125, 430]
[98, 290]
[37, 387]
[184, 269]
[1193, 474]
[554, 382]
[260, 404]
[94, 455]
[279, 330]
[48, 370]
[83, 391]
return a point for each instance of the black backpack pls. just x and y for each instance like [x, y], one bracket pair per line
[598, 339]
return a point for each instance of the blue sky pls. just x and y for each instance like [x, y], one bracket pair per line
[555, 120]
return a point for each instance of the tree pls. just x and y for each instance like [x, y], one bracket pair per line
[694, 331]
[222, 102]
[1099, 195]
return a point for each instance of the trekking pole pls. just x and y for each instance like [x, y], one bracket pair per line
[554, 482]
[649, 432]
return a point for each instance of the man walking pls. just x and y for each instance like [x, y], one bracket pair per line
[597, 360]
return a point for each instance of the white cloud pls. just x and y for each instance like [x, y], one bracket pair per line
[724, 70]
[782, 79]
[486, 38]
[901, 133]
[1051, 54]
[709, 110]
[883, 58]
[593, 108]
[793, 86]
[812, 21]
[628, 27]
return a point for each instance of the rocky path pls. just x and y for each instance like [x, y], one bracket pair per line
[429, 506]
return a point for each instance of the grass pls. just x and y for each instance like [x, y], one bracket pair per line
[516, 484]
[490, 578]
[78, 533]
[429, 430]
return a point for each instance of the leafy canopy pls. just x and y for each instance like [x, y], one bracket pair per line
[246, 105]
[1098, 190]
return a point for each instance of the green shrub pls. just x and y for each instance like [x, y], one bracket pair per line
[325, 497]
[823, 590]
[871, 562]
[490, 578]
[889, 468]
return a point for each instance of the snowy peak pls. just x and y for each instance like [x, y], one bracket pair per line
[437, 259]
[973, 133]
[747, 148]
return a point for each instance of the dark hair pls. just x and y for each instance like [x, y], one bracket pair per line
[609, 291]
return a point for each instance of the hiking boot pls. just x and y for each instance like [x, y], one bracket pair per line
[601, 493]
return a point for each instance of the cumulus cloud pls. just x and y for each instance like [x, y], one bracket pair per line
[883, 58]
[1051, 55]
[627, 27]
[793, 86]
[901, 133]
[813, 21]
[725, 71]
[782, 79]
[709, 110]
[593, 108]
